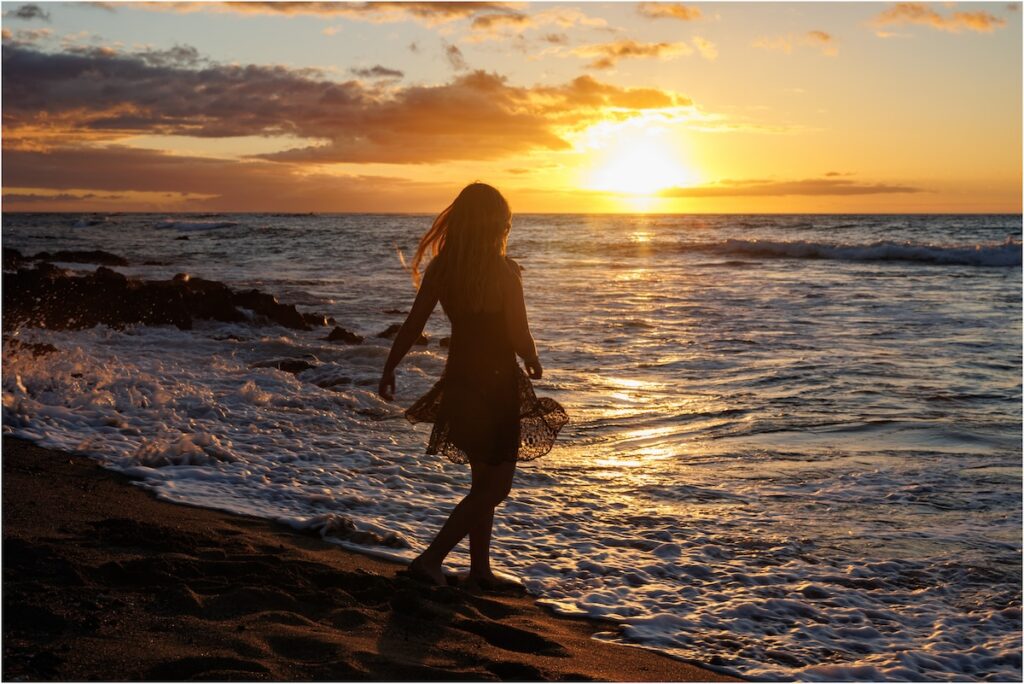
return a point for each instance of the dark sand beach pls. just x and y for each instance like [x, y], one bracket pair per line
[101, 581]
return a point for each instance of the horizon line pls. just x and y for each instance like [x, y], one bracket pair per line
[545, 213]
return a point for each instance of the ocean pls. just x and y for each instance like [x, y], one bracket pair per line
[795, 441]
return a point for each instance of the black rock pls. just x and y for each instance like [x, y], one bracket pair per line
[104, 273]
[339, 334]
[315, 319]
[12, 258]
[444, 342]
[95, 256]
[286, 365]
[267, 305]
[51, 297]
[392, 330]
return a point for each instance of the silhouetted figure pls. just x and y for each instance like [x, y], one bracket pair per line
[483, 408]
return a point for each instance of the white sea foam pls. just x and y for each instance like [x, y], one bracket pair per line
[1003, 254]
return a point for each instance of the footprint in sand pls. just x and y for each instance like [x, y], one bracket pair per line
[203, 666]
[512, 638]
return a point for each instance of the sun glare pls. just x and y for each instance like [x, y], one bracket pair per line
[635, 160]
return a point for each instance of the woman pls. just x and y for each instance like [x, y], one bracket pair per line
[483, 408]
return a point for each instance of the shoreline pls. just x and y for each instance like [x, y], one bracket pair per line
[102, 581]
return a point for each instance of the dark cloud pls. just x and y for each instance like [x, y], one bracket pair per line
[767, 188]
[427, 12]
[27, 13]
[377, 71]
[179, 55]
[455, 57]
[35, 198]
[95, 88]
[555, 38]
[229, 185]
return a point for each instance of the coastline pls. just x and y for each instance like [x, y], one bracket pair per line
[102, 581]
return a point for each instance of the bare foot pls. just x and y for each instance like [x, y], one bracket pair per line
[420, 570]
[492, 581]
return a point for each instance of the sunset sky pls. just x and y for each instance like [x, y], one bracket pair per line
[566, 107]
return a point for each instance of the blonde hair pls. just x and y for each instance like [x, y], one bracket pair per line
[467, 243]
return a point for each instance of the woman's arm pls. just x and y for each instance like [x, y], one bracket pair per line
[422, 307]
[518, 325]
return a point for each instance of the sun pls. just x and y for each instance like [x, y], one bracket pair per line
[637, 161]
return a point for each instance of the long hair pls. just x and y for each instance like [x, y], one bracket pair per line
[467, 243]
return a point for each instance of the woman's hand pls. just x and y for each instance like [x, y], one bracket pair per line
[533, 368]
[386, 388]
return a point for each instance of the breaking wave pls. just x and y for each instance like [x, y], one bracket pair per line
[1005, 254]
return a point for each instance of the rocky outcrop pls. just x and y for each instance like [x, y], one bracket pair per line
[12, 258]
[392, 330]
[339, 334]
[287, 365]
[15, 259]
[47, 296]
[92, 256]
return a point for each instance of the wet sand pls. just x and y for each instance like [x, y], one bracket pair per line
[103, 582]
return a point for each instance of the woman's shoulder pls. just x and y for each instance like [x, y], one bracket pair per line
[514, 266]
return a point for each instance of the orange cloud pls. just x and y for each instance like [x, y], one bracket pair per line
[607, 55]
[706, 48]
[49, 102]
[512, 24]
[767, 188]
[821, 40]
[586, 94]
[668, 10]
[921, 14]
[501, 19]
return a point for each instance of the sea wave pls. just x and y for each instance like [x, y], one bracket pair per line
[194, 225]
[1004, 254]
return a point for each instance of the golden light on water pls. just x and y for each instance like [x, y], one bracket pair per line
[628, 383]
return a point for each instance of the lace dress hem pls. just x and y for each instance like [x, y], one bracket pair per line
[540, 420]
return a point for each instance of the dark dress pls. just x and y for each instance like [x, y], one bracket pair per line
[483, 408]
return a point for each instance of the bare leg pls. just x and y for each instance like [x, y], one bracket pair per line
[491, 484]
[480, 547]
